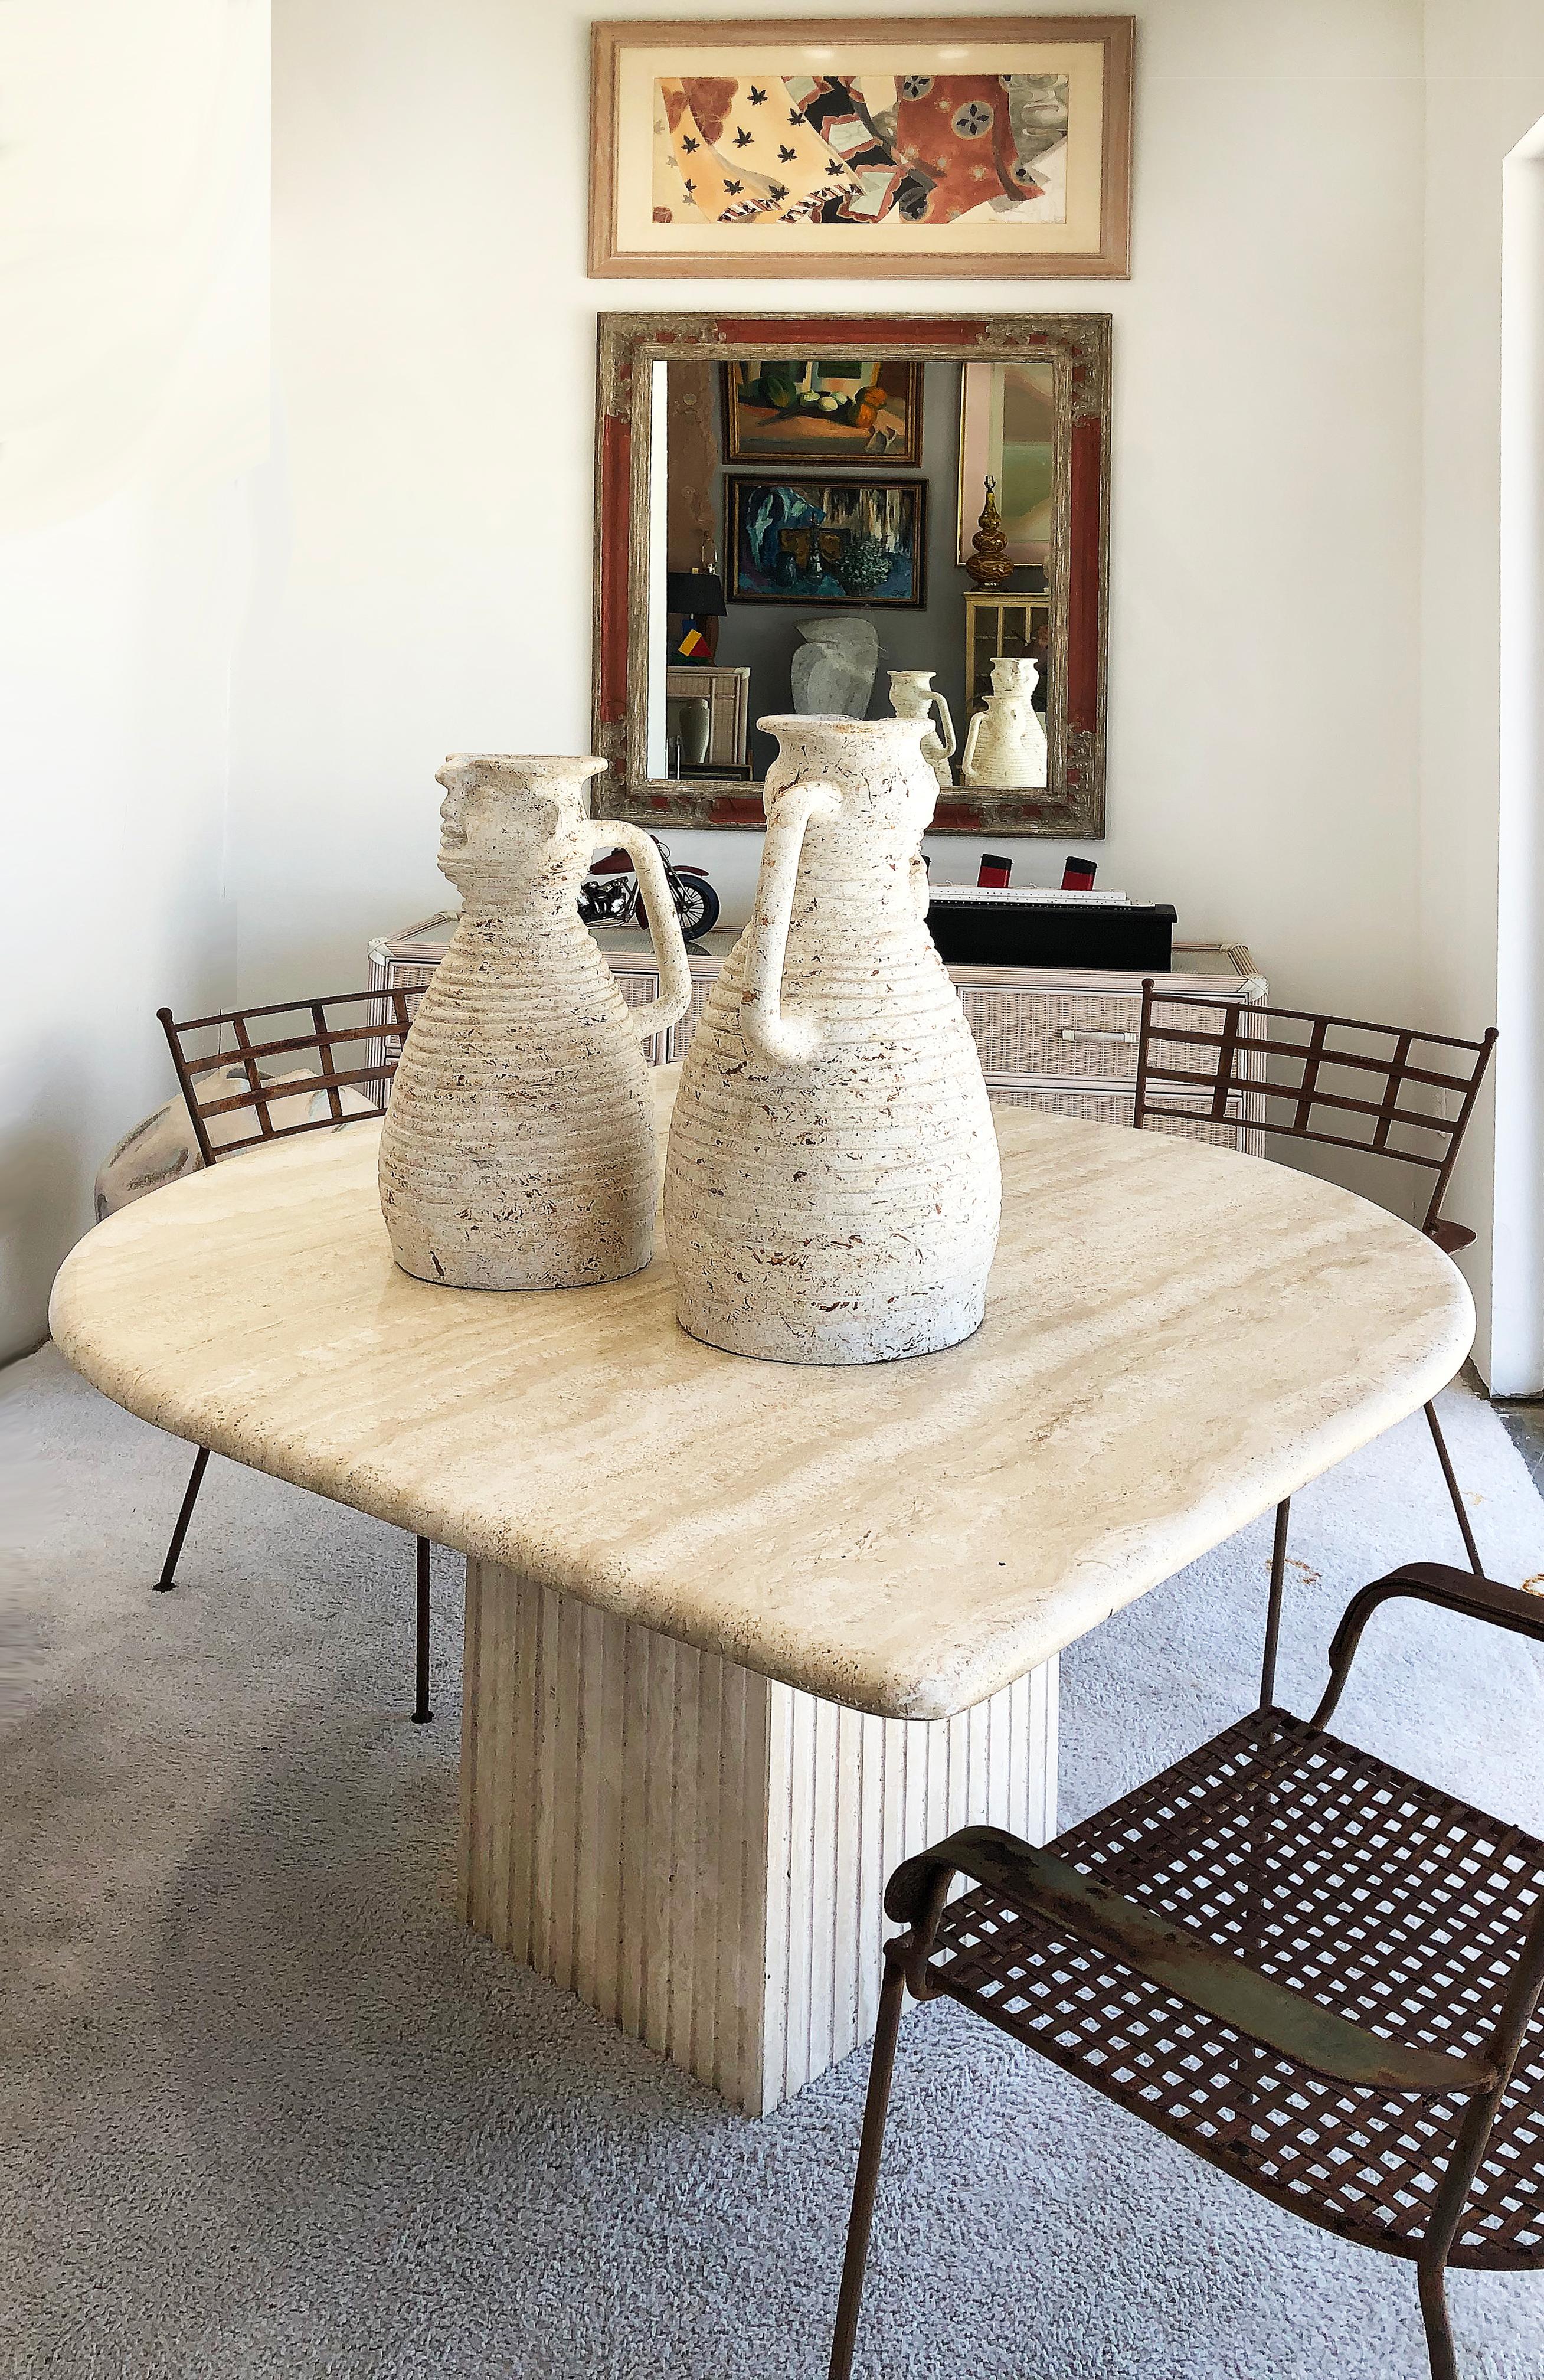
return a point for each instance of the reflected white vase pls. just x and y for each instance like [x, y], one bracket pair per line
[912, 696]
[832, 1183]
[1004, 744]
[518, 1148]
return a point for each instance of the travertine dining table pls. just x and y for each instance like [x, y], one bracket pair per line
[741, 1635]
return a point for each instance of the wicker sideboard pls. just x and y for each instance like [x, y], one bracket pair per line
[1059, 1038]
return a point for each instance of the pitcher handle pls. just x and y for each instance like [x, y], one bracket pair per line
[665, 924]
[946, 723]
[970, 753]
[776, 1039]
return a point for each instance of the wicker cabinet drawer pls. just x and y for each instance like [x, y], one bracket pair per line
[1078, 1034]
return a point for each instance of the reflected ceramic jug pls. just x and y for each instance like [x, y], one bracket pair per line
[1004, 744]
[832, 1185]
[518, 1149]
[912, 696]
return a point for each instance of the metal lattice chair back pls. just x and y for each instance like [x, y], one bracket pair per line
[287, 1068]
[1338, 1080]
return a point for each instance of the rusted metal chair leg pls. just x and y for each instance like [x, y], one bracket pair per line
[871, 2148]
[1274, 1609]
[167, 1579]
[421, 1712]
[1440, 1443]
[1438, 2331]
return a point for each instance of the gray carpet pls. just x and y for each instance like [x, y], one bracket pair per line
[267, 2109]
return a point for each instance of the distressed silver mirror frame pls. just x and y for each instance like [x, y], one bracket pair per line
[1072, 802]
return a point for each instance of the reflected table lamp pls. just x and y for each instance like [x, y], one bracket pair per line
[696, 597]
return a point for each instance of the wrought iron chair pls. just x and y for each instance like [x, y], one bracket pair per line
[1318, 1972]
[1228, 1079]
[271, 1107]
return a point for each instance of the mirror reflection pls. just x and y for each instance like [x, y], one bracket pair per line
[853, 536]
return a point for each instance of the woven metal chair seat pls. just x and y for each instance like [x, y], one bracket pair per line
[1327, 1870]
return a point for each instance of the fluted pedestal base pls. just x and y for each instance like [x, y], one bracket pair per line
[699, 1852]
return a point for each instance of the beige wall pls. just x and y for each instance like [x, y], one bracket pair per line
[1484, 64]
[429, 524]
[133, 401]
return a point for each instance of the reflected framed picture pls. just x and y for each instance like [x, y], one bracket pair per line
[1008, 432]
[827, 541]
[960, 146]
[815, 412]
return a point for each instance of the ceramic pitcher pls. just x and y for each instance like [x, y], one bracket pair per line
[832, 1185]
[1004, 744]
[912, 696]
[518, 1148]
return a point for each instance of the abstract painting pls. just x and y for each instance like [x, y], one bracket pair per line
[813, 412]
[1008, 429]
[827, 540]
[880, 145]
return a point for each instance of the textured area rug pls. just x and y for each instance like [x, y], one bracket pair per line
[267, 2109]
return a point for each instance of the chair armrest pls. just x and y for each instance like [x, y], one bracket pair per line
[1039, 1884]
[1451, 1590]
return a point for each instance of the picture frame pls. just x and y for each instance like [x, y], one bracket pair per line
[827, 540]
[992, 146]
[816, 412]
[1008, 417]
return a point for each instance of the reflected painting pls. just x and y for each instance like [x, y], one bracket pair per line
[827, 541]
[787, 409]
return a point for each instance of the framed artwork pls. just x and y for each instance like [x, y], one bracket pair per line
[960, 146]
[1008, 429]
[827, 541]
[829, 410]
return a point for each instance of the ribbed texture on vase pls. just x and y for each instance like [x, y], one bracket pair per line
[699, 1852]
[843, 1211]
[518, 1148]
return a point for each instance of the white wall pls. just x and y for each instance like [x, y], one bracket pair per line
[1484, 62]
[133, 398]
[428, 580]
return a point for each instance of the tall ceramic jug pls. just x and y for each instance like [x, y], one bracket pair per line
[518, 1149]
[1004, 744]
[914, 696]
[832, 1185]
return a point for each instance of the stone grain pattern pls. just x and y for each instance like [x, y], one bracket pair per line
[1177, 1336]
[518, 1149]
[833, 1189]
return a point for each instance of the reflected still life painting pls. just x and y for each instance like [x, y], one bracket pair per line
[881, 144]
[783, 410]
[827, 541]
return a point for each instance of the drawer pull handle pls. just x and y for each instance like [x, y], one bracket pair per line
[1086, 1033]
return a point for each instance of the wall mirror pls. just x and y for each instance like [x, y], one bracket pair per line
[786, 509]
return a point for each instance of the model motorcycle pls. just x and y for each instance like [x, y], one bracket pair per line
[609, 894]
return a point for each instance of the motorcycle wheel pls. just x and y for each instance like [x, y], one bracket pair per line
[697, 906]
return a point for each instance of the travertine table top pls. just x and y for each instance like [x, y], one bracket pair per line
[1175, 1337]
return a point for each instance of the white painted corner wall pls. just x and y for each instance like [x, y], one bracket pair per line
[1480, 868]
[133, 402]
